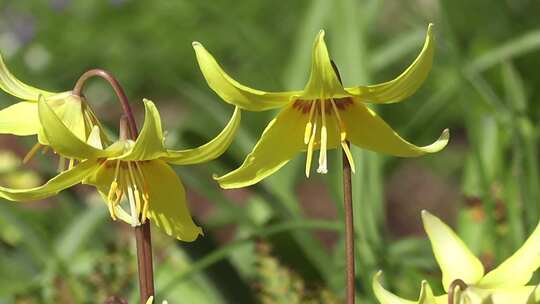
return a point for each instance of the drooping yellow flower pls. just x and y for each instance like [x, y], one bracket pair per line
[503, 285]
[22, 118]
[130, 175]
[323, 116]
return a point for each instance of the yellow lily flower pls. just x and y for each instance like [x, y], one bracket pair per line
[323, 116]
[22, 118]
[130, 175]
[502, 285]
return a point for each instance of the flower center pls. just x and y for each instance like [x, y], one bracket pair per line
[321, 110]
[128, 188]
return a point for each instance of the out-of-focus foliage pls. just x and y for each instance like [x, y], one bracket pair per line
[483, 86]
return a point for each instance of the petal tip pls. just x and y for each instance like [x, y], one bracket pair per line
[445, 135]
[320, 36]
[430, 29]
[196, 44]
[426, 215]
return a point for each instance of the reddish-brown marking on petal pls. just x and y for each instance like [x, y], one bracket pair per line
[304, 106]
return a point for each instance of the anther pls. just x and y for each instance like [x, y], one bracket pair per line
[31, 153]
[309, 125]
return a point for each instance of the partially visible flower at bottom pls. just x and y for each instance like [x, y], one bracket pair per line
[503, 285]
[134, 174]
[151, 301]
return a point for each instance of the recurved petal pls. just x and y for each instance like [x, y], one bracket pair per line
[386, 297]
[60, 182]
[149, 144]
[210, 150]
[20, 119]
[454, 258]
[405, 84]
[323, 81]
[520, 295]
[280, 141]
[13, 86]
[518, 269]
[168, 208]
[516, 295]
[367, 130]
[232, 91]
[63, 141]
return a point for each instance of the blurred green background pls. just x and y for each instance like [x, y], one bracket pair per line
[280, 241]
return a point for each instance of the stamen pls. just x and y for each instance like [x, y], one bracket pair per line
[61, 164]
[135, 189]
[311, 143]
[324, 141]
[145, 194]
[112, 198]
[31, 153]
[343, 136]
[309, 125]
[342, 129]
[71, 163]
[115, 193]
[116, 169]
[348, 153]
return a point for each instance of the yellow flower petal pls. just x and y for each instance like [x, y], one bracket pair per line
[534, 297]
[280, 141]
[455, 259]
[69, 109]
[149, 144]
[94, 139]
[405, 84]
[63, 141]
[386, 297]
[11, 85]
[323, 82]
[20, 119]
[367, 130]
[519, 295]
[168, 207]
[232, 91]
[518, 269]
[60, 182]
[210, 150]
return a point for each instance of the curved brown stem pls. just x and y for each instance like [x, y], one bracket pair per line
[451, 290]
[142, 233]
[124, 102]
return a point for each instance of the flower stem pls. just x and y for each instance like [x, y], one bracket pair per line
[451, 290]
[142, 233]
[349, 221]
[349, 227]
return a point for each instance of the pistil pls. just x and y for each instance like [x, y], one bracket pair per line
[323, 169]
